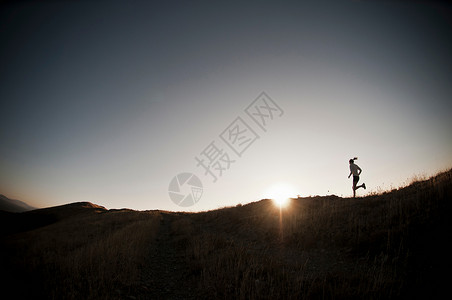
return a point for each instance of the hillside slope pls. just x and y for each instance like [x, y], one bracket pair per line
[11, 222]
[389, 246]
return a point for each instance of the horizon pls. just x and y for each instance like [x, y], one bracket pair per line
[119, 104]
[277, 202]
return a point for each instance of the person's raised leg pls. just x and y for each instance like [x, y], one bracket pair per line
[361, 186]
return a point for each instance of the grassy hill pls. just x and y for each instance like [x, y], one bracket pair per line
[388, 246]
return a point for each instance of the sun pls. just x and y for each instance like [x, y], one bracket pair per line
[280, 193]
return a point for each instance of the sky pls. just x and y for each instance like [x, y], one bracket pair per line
[115, 102]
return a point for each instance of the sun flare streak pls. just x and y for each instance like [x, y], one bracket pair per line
[280, 193]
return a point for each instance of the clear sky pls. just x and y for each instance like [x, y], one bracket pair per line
[107, 101]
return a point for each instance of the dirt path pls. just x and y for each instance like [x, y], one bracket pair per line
[166, 274]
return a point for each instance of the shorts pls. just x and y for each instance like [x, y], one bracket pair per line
[355, 179]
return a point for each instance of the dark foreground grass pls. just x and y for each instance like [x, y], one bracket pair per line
[89, 256]
[388, 246]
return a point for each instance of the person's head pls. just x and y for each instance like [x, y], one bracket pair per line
[351, 161]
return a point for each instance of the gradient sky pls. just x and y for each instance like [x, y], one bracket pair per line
[107, 101]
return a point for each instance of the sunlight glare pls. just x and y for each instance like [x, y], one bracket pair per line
[280, 193]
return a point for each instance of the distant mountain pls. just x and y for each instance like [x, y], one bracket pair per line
[11, 205]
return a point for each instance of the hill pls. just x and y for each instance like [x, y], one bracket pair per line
[11, 205]
[388, 246]
[19, 222]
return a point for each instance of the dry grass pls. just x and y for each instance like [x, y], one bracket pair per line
[89, 257]
[376, 247]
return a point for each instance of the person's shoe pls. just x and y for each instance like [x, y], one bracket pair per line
[364, 185]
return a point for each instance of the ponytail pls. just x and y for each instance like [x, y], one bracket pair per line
[352, 160]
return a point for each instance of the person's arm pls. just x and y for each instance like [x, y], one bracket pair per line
[359, 171]
[350, 174]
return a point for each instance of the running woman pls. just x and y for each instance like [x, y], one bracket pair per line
[355, 170]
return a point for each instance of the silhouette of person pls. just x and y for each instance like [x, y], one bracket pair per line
[355, 170]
